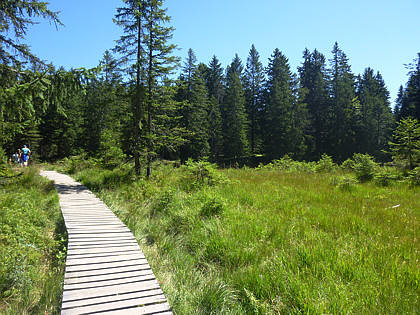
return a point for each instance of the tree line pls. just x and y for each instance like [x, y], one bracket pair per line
[131, 104]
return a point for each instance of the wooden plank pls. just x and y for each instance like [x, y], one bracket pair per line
[110, 299]
[74, 260]
[105, 272]
[108, 249]
[105, 277]
[72, 295]
[110, 282]
[140, 261]
[101, 244]
[110, 306]
[145, 310]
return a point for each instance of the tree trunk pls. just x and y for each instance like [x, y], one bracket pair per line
[138, 102]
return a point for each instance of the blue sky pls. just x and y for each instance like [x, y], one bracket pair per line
[383, 35]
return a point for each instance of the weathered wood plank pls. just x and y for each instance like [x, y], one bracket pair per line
[72, 295]
[105, 272]
[110, 299]
[107, 265]
[110, 306]
[74, 260]
[106, 277]
[103, 250]
[108, 282]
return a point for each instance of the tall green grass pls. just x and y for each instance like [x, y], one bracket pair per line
[269, 241]
[32, 244]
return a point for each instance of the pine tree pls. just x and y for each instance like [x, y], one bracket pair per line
[215, 80]
[406, 145]
[160, 63]
[342, 136]
[16, 16]
[398, 103]
[314, 80]
[376, 115]
[411, 101]
[235, 143]
[253, 82]
[130, 46]
[279, 120]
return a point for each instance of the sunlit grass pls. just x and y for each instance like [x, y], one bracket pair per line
[270, 242]
[31, 244]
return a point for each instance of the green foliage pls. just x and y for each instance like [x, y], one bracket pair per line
[32, 243]
[16, 17]
[344, 183]
[364, 166]
[325, 164]
[212, 206]
[201, 173]
[110, 152]
[414, 177]
[287, 164]
[348, 165]
[406, 145]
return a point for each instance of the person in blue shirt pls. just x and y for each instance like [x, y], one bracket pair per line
[25, 155]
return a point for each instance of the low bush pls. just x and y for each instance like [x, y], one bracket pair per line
[344, 183]
[364, 166]
[414, 177]
[325, 164]
[198, 174]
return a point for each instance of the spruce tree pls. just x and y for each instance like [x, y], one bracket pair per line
[411, 101]
[398, 103]
[16, 17]
[215, 80]
[314, 80]
[130, 46]
[342, 135]
[160, 63]
[253, 82]
[235, 143]
[376, 116]
[278, 136]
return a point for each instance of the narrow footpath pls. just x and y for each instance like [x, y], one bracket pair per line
[106, 272]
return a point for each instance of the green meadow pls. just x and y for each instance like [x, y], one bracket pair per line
[272, 240]
[32, 245]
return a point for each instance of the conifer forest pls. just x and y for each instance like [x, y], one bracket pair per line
[143, 103]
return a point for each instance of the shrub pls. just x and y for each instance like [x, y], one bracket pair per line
[385, 175]
[348, 165]
[414, 177]
[212, 207]
[111, 153]
[286, 163]
[201, 173]
[325, 164]
[344, 183]
[364, 167]
[161, 203]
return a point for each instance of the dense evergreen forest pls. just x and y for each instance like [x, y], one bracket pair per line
[143, 103]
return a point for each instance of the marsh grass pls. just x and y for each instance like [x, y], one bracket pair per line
[267, 241]
[32, 244]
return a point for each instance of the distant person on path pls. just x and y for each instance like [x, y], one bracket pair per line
[25, 155]
[20, 157]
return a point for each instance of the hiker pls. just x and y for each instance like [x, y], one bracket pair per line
[15, 158]
[25, 155]
[19, 160]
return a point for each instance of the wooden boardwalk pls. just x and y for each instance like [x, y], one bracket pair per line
[106, 272]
